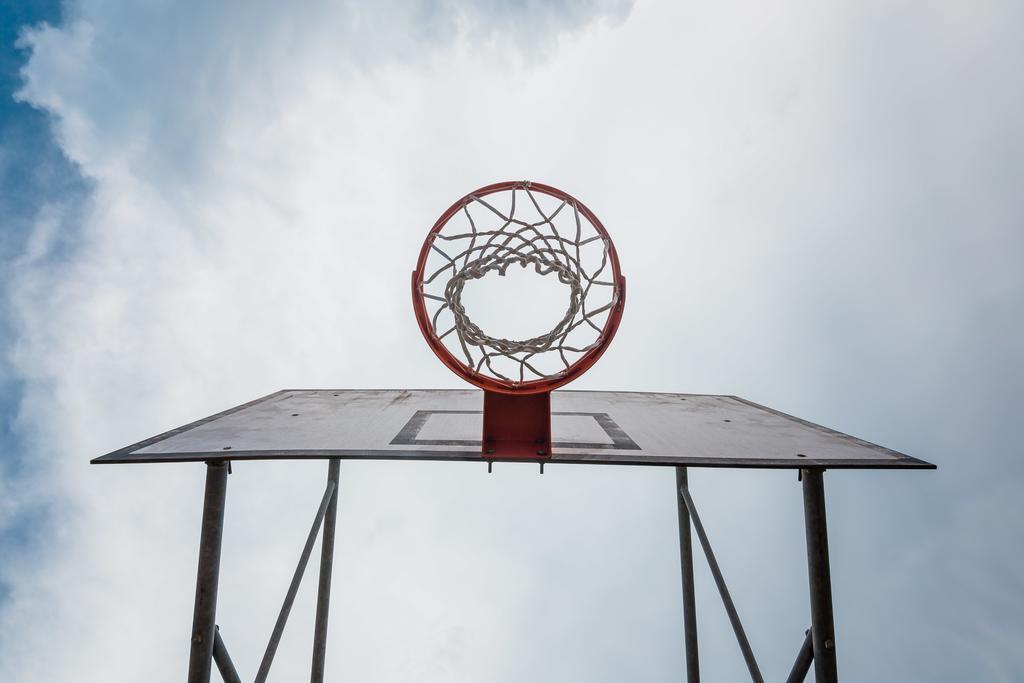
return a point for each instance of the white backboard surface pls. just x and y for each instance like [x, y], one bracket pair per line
[588, 427]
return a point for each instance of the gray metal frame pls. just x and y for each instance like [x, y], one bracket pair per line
[819, 646]
[207, 644]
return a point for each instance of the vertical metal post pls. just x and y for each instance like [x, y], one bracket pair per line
[686, 565]
[200, 659]
[323, 600]
[819, 578]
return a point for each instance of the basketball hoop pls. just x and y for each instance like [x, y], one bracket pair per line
[487, 231]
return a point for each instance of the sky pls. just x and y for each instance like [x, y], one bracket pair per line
[816, 206]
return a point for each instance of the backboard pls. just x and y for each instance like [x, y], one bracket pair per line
[588, 427]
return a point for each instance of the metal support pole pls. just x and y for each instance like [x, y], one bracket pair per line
[200, 658]
[723, 590]
[686, 565]
[819, 578]
[803, 661]
[323, 599]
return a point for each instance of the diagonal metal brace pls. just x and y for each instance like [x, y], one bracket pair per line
[804, 658]
[223, 660]
[293, 589]
[723, 590]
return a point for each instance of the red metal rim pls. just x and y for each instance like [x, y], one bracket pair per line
[492, 383]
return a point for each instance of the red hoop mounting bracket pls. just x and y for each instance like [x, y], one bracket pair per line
[517, 426]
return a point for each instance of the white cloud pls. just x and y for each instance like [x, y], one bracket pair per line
[808, 206]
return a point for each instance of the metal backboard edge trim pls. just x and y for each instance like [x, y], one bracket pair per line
[813, 425]
[115, 456]
[905, 462]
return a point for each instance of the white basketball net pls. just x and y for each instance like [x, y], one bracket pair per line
[528, 228]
